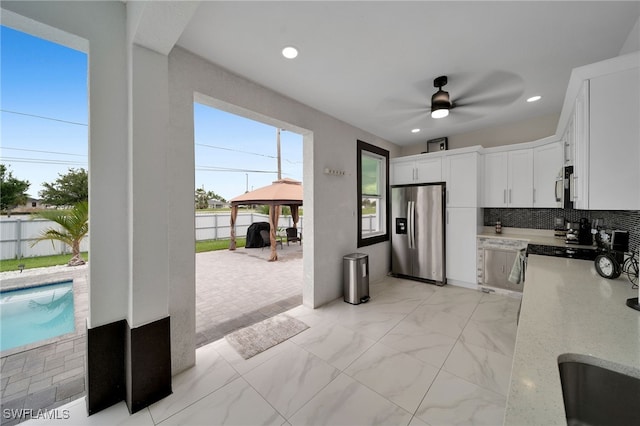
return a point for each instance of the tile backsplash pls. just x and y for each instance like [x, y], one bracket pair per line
[627, 220]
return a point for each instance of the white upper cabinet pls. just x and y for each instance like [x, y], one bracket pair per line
[495, 179]
[614, 141]
[599, 121]
[578, 134]
[520, 178]
[402, 171]
[508, 178]
[460, 172]
[547, 167]
[420, 169]
[429, 170]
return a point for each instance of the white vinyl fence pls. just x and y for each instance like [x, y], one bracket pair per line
[217, 226]
[17, 234]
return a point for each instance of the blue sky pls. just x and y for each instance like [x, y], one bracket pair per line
[227, 141]
[44, 79]
[48, 80]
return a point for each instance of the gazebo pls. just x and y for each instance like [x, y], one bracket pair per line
[283, 192]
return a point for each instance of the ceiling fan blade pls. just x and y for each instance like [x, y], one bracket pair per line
[495, 89]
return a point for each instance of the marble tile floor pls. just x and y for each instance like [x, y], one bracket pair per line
[416, 354]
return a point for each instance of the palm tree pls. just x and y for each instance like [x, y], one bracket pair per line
[74, 224]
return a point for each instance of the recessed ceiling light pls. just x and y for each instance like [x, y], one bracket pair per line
[415, 130]
[289, 52]
[534, 98]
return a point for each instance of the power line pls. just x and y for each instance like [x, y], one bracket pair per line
[44, 118]
[44, 152]
[42, 161]
[229, 169]
[246, 152]
[236, 150]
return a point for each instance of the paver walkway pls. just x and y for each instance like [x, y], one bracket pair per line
[233, 290]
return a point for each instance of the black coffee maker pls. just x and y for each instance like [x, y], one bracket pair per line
[584, 232]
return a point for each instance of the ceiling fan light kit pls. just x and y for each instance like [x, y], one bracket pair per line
[440, 102]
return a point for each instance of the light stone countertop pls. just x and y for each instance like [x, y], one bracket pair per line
[532, 236]
[567, 308]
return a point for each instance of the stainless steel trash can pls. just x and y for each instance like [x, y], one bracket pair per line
[356, 278]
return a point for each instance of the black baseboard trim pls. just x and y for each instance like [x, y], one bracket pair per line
[148, 364]
[128, 364]
[105, 374]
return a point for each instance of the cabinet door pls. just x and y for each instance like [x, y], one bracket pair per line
[429, 170]
[614, 141]
[547, 166]
[520, 178]
[462, 228]
[495, 179]
[578, 129]
[402, 172]
[461, 176]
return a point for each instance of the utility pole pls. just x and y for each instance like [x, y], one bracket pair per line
[279, 159]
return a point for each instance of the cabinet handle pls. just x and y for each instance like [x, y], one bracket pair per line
[534, 195]
[447, 196]
[509, 196]
[447, 217]
[417, 174]
[504, 196]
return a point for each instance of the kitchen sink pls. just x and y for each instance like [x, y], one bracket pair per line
[598, 392]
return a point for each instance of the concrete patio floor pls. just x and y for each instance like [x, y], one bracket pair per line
[234, 289]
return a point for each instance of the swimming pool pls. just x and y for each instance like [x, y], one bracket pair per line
[36, 313]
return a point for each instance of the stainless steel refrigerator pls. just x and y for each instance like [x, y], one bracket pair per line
[418, 232]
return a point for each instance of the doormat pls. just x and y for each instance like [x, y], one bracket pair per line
[252, 340]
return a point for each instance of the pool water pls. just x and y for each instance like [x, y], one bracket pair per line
[35, 313]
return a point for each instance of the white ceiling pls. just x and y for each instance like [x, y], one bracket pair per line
[372, 64]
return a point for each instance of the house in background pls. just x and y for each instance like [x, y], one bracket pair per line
[217, 204]
[150, 61]
[30, 206]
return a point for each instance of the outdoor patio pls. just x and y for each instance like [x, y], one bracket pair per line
[234, 289]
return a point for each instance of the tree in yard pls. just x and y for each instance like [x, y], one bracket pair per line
[12, 190]
[74, 224]
[202, 198]
[67, 190]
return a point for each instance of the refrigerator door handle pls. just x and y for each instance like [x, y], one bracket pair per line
[412, 217]
[409, 223]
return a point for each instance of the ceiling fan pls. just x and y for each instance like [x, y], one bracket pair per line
[476, 95]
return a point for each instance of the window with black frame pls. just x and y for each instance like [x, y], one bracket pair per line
[373, 194]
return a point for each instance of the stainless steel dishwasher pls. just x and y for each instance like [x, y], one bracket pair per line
[497, 267]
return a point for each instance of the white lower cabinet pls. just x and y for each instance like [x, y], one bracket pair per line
[462, 228]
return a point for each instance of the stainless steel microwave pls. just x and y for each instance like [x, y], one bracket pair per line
[569, 189]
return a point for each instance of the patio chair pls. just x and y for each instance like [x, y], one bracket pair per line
[266, 239]
[292, 235]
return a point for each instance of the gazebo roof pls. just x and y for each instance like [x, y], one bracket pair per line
[281, 192]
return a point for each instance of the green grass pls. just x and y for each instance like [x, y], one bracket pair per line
[37, 262]
[211, 245]
[62, 259]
